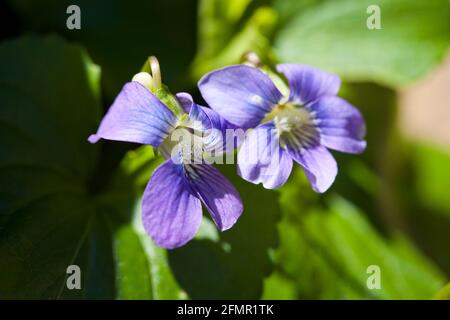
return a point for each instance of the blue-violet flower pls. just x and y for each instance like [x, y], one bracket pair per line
[171, 203]
[298, 126]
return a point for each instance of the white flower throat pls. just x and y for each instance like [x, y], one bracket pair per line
[186, 143]
[294, 125]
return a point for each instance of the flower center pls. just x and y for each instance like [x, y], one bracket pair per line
[294, 125]
[184, 144]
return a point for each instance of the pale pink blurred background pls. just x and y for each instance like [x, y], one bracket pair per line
[425, 108]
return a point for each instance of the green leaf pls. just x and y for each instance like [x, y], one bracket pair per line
[363, 179]
[420, 179]
[443, 293]
[235, 265]
[432, 170]
[218, 20]
[131, 282]
[333, 35]
[329, 250]
[164, 283]
[51, 216]
[227, 30]
[119, 35]
[279, 287]
[142, 270]
[49, 106]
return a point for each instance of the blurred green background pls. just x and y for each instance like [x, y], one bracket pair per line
[63, 201]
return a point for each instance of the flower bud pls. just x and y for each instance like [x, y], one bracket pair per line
[144, 78]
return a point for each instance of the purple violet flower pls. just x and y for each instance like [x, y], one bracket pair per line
[299, 126]
[171, 204]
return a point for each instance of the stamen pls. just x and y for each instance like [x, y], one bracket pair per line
[295, 125]
[143, 78]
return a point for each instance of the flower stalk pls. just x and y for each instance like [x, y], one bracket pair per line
[150, 77]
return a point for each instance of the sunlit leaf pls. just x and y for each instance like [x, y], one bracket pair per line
[278, 287]
[333, 35]
[432, 170]
[328, 251]
[226, 32]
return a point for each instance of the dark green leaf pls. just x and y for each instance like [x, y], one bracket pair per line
[120, 35]
[49, 106]
[420, 181]
[235, 265]
[49, 216]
